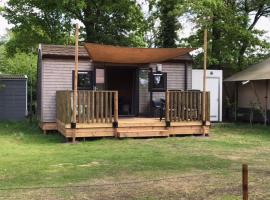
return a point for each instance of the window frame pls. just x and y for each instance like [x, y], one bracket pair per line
[90, 73]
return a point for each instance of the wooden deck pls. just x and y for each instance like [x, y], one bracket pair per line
[134, 128]
[97, 116]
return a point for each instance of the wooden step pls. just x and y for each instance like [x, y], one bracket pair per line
[142, 133]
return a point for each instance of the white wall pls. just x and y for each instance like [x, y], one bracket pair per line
[214, 85]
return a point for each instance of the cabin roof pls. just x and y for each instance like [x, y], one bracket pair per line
[61, 51]
[116, 54]
[129, 55]
[259, 71]
[12, 77]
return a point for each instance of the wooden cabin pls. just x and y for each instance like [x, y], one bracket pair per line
[119, 92]
[250, 96]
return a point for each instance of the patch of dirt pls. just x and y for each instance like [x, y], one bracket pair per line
[198, 186]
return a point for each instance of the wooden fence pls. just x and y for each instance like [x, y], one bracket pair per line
[186, 106]
[92, 106]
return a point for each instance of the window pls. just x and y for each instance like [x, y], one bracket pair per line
[85, 80]
[157, 82]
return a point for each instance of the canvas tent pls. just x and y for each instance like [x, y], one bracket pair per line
[251, 93]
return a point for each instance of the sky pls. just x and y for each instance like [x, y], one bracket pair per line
[263, 24]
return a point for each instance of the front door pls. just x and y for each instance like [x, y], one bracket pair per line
[123, 81]
[213, 87]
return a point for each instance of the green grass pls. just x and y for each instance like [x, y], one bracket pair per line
[30, 159]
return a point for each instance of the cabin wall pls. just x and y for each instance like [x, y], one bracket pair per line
[13, 99]
[175, 81]
[57, 76]
[175, 77]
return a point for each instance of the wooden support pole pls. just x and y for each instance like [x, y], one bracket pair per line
[245, 181]
[167, 117]
[204, 76]
[265, 103]
[75, 91]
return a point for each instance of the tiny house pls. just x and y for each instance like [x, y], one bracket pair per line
[214, 80]
[13, 97]
[119, 91]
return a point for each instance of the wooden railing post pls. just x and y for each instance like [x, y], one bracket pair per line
[167, 116]
[116, 107]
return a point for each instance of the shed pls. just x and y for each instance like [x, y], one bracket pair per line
[251, 93]
[13, 97]
[214, 84]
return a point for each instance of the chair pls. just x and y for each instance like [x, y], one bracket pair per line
[159, 106]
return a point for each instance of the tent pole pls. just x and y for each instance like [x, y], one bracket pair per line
[266, 101]
[75, 89]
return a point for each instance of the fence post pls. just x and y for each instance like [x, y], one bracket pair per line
[115, 123]
[245, 181]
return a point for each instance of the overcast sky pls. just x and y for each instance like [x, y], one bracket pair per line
[263, 24]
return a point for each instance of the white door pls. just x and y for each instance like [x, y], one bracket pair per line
[213, 87]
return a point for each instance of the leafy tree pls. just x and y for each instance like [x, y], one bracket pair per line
[118, 22]
[163, 22]
[168, 23]
[233, 39]
[35, 21]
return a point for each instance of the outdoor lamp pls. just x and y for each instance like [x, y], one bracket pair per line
[159, 68]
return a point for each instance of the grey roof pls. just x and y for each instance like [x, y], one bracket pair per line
[260, 71]
[12, 76]
[61, 50]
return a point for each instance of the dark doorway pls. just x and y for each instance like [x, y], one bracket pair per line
[123, 81]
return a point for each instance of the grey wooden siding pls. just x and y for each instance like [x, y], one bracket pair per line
[13, 99]
[175, 81]
[57, 75]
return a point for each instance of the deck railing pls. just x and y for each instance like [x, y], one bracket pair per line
[186, 106]
[92, 106]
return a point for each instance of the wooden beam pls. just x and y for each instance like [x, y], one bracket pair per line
[76, 74]
[204, 75]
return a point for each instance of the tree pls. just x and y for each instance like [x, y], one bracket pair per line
[108, 21]
[233, 39]
[35, 22]
[168, 23]
[163, 22]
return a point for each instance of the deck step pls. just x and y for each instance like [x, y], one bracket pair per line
[142, 133]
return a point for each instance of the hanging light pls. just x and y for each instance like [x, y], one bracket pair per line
[245, 82]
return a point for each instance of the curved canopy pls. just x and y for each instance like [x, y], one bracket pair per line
[128, 55]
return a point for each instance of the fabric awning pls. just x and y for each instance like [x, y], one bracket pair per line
[128, 55]
[260, 71]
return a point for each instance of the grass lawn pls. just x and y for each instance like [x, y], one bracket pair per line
[178, 167]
